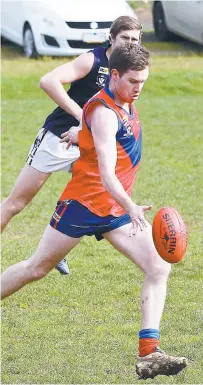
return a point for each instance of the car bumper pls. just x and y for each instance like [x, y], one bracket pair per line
[68, 45]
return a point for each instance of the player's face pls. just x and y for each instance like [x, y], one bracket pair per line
[126, 37]
[128, 87]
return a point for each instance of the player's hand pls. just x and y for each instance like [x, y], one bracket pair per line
[71, 136]
[137, 217]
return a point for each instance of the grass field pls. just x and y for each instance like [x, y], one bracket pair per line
[83, 328]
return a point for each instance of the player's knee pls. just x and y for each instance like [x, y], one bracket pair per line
[157, 268]
[159, 271]
[35, 271]
[15, 206]
[39, 273]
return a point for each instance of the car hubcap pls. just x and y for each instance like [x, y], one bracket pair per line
[28, 43]
[160, 20]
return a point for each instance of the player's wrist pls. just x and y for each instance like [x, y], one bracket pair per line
[79, 116]
[130, 206]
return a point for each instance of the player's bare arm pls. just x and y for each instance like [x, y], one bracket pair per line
[104, 126]
[53, 82]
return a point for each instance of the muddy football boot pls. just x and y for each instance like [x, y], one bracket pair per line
[159, 362]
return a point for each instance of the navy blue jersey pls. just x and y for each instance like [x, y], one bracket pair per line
[80, 91]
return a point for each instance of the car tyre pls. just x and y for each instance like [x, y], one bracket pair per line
[160, 27]
[29, 47]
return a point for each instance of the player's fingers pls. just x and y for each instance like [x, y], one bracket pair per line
[68, 144]
[64, 134]
[146, 208]
[134, 227]
[141, 223]
[142, 218]
[65, 139]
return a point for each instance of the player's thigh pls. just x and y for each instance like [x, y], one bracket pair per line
[28, 183]
[139, 247]
[52, 248]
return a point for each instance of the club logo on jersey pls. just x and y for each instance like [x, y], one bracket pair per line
[127, 127]
[103, 70]
[101, 80]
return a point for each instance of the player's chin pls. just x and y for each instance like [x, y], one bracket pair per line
[134, 97]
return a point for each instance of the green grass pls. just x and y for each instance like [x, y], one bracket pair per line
[138, 4]
[83, 328]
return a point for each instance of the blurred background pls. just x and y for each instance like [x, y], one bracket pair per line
[67, 28]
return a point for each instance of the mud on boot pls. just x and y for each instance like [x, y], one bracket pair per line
[159, 363]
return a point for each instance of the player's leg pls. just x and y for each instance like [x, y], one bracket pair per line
[46, 155]
[32, 177]
[55, 157]
[140, 249]
[62, 160]
[27, 185]
[52, 248]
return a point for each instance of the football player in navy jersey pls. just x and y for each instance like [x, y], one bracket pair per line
[88, 73]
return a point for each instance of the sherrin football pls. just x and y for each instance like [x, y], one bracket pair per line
[169, 234]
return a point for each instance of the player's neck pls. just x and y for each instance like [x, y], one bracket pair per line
[108, 52]
[125, 106]
[118, 100]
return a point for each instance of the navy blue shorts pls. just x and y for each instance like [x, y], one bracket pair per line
[75, 220]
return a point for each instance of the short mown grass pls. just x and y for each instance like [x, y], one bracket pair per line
[83, 328]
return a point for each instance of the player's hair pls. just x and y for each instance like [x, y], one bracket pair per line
[129, 57]
[124, 23]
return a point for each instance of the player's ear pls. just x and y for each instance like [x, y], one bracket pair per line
[114, 74]
[140, 38]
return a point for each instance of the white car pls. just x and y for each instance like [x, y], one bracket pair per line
[184, 18]
[59, 27]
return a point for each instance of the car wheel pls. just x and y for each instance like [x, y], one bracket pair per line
[29, 43]
[4, 41]
[160, 27]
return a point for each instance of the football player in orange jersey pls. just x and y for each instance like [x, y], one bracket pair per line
[87, 74]
[110, 144]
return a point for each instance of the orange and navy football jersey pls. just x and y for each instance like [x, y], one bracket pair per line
[86, 186]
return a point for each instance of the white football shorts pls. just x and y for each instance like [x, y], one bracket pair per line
[48, 155]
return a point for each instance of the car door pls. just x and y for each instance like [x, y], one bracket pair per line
[190, 16]
[195, 20]
[186, 18]
[170, 14]
[12, 18]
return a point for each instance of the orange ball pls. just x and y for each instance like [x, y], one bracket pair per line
[169, 234]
